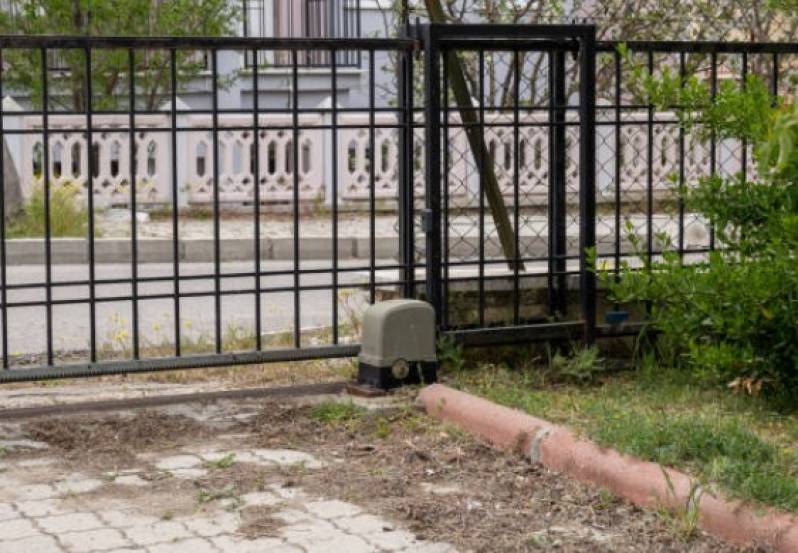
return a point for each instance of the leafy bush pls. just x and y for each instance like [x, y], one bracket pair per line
[67, 218]
[732, 316]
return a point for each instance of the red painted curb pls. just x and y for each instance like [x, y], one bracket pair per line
[643, 483]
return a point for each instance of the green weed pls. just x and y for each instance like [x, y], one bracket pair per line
[67, 218]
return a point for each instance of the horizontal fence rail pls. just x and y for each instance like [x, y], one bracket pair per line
[283, 214]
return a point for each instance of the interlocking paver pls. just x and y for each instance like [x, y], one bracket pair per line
[236, 544]
[41, 507]
[77, 485]
[7, 512]
[16, 529]
[218, 524]
[48, 510]
[93, 540]
[332, 509]
[261, 499]
[73, 522]
[178, 462]
[33, 544]
[125, 519]
[159, 532]
[34, 491]
[192, 545]
[288, 457]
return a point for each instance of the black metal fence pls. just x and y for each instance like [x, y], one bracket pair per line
[496, 197]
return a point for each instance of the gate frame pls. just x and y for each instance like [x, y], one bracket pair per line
[438, 38]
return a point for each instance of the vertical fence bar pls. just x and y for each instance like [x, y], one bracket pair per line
[432, 160]
[713, 137]
[217, 254]
[295, 173]
[134, 257]
[175, 202]
[744, 142]
[90, 207]
[3, 261]
[482, 164]
[650, 171]
[516, 186]
[48, 254]
[618, 162]
[334, 188]
[256, 191]
[558, 242]
[775, 80]
[372, 182]
[587, 178]
[682, 78]
[445, 194]
[406, 184]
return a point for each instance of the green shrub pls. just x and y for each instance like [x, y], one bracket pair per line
[732, 316]
[67, 218]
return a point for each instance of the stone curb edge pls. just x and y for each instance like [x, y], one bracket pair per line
[27, 251]
[645, 484]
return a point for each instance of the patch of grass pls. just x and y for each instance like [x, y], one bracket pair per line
[224, 463]
[207, 495]
[67, 217]
[742, 445]
[339, 413]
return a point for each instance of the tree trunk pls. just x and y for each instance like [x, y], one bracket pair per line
[12, 185]
[490, 184]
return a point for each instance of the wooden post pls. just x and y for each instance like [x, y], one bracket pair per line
[476, 141]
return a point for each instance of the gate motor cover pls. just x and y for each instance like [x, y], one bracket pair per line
[398, 344]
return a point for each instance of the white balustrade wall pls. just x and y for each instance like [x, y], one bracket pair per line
[68, 157]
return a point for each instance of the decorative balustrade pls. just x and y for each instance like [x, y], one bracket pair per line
[153, 158]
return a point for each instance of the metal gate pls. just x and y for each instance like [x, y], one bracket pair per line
[487, 227]
[507, 239]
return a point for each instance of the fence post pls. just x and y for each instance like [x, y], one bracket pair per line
[432, 165]
[405, 192]
[587, 178]
[558, 245]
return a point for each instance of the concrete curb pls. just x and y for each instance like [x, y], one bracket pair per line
[64, 251]
[645, 484]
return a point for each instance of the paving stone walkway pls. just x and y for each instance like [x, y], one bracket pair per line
[158, 507]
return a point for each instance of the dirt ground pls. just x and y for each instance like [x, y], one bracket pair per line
[387, 459]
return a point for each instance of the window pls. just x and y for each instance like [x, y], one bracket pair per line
[303, 19]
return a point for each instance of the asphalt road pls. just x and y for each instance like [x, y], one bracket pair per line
[114, 319]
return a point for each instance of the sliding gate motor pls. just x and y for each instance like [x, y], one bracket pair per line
[398, 344]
